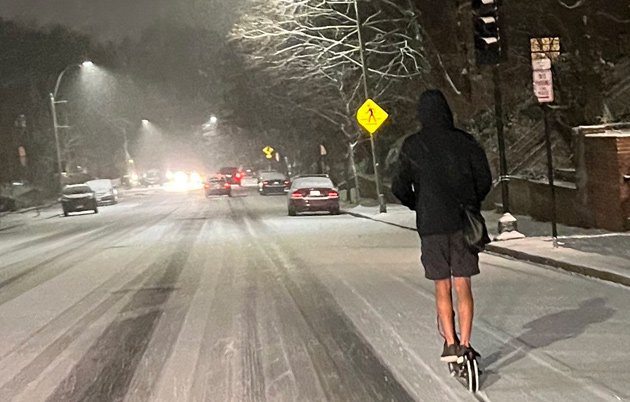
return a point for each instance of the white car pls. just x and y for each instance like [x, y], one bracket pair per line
[104, 190]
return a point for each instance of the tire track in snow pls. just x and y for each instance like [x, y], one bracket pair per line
[164, 339]
[359, 374]
[51, 352]
[33, 276]
[253, 377]
[106, 370]
[214, 374]
[252, 373]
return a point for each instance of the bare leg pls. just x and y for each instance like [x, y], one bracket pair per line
[465, 308]
[444, 304]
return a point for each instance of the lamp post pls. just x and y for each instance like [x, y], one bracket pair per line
[53, 108]
[121, 123]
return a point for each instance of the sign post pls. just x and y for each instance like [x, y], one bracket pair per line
[268, 151]
[371, 117]
[543, 51]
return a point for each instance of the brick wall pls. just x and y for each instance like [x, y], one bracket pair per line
[623, 152]
[607, 159]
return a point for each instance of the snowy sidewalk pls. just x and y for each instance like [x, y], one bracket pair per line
[52, 209]
[593, 252]
[12, 219]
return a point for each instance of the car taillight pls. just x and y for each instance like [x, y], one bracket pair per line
[226, 185]
[333, 194]
[266, 182]
[296, 195]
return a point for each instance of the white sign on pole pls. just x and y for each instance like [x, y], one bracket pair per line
[543, 86]
[543, 63]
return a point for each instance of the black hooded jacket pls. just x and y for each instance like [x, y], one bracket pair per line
[440, 169]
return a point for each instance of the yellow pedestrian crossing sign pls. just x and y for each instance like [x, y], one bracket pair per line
[268, 151]
[371, 116]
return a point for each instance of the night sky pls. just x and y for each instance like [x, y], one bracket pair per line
[115, 19]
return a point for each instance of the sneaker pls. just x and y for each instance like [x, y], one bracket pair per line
[450, 353]
[465, 350]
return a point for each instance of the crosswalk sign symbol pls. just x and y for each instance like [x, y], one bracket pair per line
[371, 116]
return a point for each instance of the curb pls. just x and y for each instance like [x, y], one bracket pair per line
[537, 259]
[31, 209]
[356, 215]
[41, 209]
[566, 266]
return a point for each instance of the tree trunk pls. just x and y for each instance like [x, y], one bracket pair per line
[354, 173]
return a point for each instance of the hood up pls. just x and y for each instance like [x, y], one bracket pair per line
[433, 110]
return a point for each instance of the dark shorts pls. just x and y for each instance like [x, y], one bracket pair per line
[446, 255]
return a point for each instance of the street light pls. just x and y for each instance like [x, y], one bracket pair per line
[121, 124]
[53, 107]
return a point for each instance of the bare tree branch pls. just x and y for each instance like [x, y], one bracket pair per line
[578, 3]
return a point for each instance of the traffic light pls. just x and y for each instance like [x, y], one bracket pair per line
[486, 26]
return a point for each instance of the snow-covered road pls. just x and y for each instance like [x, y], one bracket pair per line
[175, 297]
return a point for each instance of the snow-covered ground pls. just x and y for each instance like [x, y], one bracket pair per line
[581, 250]
[175, 297]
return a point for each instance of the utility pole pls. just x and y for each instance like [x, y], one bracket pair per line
[53, 109]
[23, 143]
[377, 178]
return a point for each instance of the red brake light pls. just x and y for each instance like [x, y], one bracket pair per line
[296, 195]
[226, 185]
[333, 194]
[238, 175]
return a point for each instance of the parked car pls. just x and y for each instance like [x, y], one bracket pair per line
[217, 186]
[78, 197]
[313, 193]
[104, 190]
[273, 183]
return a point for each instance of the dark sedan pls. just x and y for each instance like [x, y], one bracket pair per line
[217, 186]
[313, 193]
[273, 183]
[77, 198]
